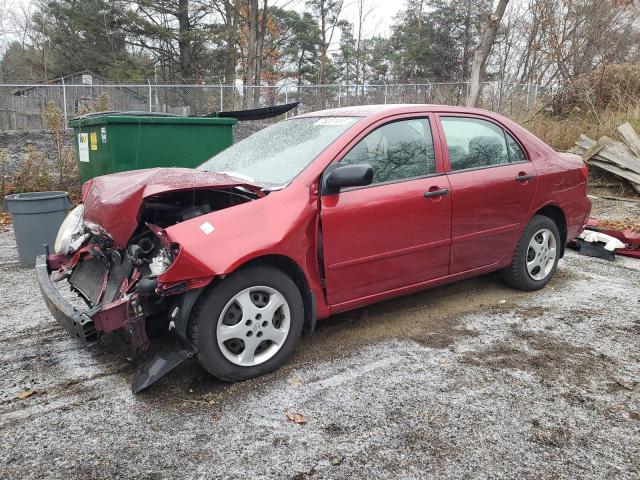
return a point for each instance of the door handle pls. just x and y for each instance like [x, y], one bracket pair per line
[436, 193]
[524, 178]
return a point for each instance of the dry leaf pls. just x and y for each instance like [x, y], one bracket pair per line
[621, 225]
[5, 220]
[25, 394]
[296, 418]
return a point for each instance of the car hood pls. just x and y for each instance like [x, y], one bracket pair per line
[112, 202]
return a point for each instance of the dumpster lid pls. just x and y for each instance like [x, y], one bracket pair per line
[134, 113]
[111, 117]
[261, 113]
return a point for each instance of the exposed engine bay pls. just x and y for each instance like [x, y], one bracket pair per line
[170, 208]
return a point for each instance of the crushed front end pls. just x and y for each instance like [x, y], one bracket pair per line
[117, 285]
[112, 250]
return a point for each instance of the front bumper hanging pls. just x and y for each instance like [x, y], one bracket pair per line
[78, 324]
[87, 325]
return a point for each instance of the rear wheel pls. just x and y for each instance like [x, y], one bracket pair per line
[536, 256]
[248, 324]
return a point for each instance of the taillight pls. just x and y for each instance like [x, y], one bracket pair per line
[585, 172]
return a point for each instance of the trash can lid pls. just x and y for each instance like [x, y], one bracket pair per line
[36, 202]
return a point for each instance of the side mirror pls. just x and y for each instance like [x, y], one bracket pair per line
[348, 176]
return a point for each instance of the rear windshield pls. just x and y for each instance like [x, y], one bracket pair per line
[275, 155]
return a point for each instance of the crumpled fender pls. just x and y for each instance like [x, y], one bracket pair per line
[282, 223]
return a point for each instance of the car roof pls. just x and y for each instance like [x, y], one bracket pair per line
[390, 109]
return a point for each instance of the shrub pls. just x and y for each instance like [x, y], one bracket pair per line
[39, 173]
[610, 87]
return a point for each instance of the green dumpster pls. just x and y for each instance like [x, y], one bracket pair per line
[112, 142]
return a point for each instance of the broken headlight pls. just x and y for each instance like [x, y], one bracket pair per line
[71, 230]
[160, 263]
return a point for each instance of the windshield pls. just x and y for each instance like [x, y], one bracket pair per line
[275, 155]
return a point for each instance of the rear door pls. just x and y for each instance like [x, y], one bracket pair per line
[388, 235]
[492, 188]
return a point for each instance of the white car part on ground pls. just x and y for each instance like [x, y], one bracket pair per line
[610, 242]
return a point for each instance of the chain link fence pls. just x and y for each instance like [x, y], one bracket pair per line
[21, 106]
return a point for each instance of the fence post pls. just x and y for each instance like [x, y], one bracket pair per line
[286, 99]
[221, 97]
[64, 101]
[339, 93]
[150, 95]
[386, 91]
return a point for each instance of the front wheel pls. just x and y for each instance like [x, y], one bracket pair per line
[248, 324]
[536, 257]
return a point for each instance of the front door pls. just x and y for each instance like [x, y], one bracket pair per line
[389, 234]
[492, 187]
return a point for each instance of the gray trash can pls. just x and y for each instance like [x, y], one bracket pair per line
[37, 216]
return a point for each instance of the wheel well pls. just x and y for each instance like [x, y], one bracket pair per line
[556, 214]
[291, 268]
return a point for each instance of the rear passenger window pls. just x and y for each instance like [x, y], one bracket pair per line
[474, 143]
[396, 151]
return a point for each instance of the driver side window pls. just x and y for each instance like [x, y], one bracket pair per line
[396, 151]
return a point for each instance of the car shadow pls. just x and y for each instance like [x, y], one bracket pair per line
[430, 317]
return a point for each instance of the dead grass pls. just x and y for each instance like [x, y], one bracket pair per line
[561, 133]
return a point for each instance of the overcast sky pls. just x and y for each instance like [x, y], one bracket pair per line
[378, 21]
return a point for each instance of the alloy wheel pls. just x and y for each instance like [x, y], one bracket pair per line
[253, 326]
[541, 254]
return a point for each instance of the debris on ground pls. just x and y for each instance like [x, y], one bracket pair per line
[610, 243]
[25, 394]
[625, 232]
[618, 158]
[5, 221]
[630, 224]
[296, 418]
[593, 244]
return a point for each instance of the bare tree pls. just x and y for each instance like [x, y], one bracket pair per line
[231, 22]
[363, 12]
[327, 12]
[483, 51]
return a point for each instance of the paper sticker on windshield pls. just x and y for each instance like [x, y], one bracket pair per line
[334, 121]
[207, 228]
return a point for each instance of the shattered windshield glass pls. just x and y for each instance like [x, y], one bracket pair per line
[275, 155]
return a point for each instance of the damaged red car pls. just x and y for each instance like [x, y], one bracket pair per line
[314, 215]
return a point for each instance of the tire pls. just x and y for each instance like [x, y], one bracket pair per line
[249, 295]
[522, 273]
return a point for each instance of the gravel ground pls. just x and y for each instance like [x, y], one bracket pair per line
[469, 380]
[603, 208]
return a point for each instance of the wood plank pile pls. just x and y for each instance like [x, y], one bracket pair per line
[620, 158]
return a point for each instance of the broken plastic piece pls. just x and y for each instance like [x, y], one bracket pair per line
[610, 242]
[158, 368]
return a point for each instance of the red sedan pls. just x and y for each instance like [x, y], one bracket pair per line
[314, 215]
